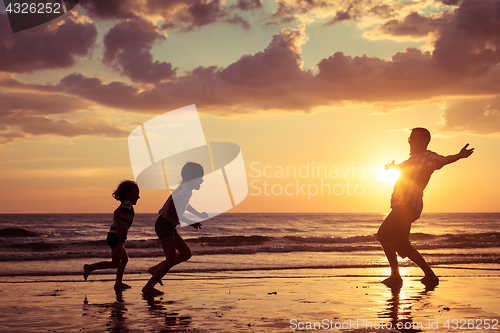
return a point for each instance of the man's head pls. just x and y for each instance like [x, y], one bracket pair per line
[419, 139]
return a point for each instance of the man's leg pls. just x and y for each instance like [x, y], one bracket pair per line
[430, 277]
[390, 252]
[405, 249]
[385, 236]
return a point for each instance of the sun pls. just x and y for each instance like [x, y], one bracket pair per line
[389, 176]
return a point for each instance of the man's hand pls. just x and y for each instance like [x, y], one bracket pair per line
[464, 153]
[391, 165]
[196, 225]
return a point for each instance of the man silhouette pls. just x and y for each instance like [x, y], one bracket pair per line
[407, 204]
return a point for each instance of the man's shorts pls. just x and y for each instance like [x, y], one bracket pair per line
[112, 239]
[396, 228]
[165, 229]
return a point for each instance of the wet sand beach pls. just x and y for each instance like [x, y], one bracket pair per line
[340, 300]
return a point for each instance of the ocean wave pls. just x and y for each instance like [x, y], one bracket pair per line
[17, 232]
[240, 245]
[230, 240]
[421, 236]
[35, 246]
[487, 237]
[330, 239]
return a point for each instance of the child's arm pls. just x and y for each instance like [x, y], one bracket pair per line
[195, 212]
[118, 221]
[196, 225]
[464, 153]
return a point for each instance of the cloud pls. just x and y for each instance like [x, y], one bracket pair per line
[39, 125]
[466, 39]
[274, 78]
[49, 46]
[238, 20]
[450, 2]
[184, 15]
[278, 63]
[266, 80]
[470, 43]
[114, 94]
[112, 9]
[127, 47]
[204, 13]
[29, 114]
[476, 116]
[40, 104]
[249, 4]
[335, 11]
[414, 26]
[6, 138]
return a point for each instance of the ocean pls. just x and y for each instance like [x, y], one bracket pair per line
[49, 245]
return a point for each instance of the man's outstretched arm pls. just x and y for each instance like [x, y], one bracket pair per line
[464, 153]
[392, 165]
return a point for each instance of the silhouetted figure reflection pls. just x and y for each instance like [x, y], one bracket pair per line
[118, 311]
[407, 204]
[173, 320]
[398, 310]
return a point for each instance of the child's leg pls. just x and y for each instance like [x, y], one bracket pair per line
[183, 255]
[162, 268]
[116, 255]
[121, 269]
[183, 249]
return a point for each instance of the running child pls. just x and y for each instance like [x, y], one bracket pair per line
[128, 193]
[170, 216]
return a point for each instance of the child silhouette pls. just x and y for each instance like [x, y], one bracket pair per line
[170, 216]
[128, 193]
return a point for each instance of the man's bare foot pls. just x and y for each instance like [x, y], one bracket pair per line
[151, 271]
[430, 281]
[152, 291]
[393, 281]
[86, 272]
[122, 286]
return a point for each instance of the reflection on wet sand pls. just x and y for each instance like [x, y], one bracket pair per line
[116, 315]
[173, 321]
[117, 320]
[399, 307]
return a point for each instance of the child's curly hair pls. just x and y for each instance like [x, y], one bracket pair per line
[123, 188]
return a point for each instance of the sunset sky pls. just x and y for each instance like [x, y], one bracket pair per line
[298, 85]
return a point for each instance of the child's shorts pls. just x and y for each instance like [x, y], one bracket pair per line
[165, 229]
[112, 239]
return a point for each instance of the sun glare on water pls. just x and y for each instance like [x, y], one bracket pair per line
[389, 176]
